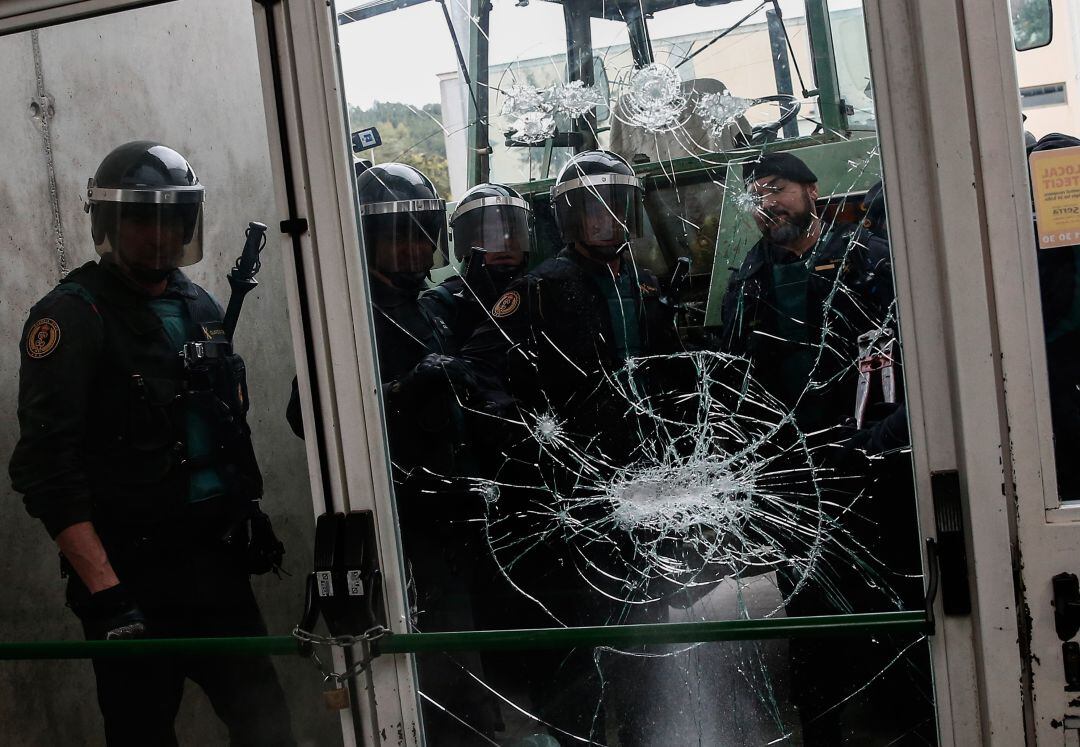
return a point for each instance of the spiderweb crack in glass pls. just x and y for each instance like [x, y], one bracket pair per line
[547, 429]
[723, 484]
[533, 127]
[522, 99]
[747, 203]
[530, 112]
[721, 109]
[575, 99]
[533, 111]
[652, 99]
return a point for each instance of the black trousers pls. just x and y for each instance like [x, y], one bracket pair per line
[189, 592]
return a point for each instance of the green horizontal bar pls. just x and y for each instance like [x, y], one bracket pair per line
[274, 645]
[495, 640]
[634, 635]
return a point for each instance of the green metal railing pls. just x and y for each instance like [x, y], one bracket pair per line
[498, 640]
[636, 635]
[274, 645]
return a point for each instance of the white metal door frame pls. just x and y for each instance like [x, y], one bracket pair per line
[939, 148]
[338, 312]
[1048, 533]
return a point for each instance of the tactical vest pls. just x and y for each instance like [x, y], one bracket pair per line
[856, 260]
[145, 389]
[575, 314]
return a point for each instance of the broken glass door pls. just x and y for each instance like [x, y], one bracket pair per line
[635, 440]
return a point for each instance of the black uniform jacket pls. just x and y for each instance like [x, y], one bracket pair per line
[457, 304]
[550, 340]
[849, 292]
[423, 420]
[100, 414]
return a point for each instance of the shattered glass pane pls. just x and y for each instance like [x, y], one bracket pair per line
[722, 109]
[685, 404]
[575, 99]
[652, 98]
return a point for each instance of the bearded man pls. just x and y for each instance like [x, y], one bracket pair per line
[804, 294]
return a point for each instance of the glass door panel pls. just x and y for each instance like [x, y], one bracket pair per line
[683, 404]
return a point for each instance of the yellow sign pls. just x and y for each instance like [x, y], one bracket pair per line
[1055, 183]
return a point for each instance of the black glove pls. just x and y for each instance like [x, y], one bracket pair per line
[112, 614]
[264, 551]
[435, 369]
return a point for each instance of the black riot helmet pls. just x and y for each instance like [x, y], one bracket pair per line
[492, 227]
[145, 206]
[597, 201]
[491, 218]
[404, 222]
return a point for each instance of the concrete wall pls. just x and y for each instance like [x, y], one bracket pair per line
[186, 74]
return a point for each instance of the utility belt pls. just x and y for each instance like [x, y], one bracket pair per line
[207, 524]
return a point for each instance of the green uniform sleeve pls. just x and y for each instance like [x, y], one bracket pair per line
[60, 352]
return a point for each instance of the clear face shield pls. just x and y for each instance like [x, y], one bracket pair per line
[405, 237]
[600, 210]
[498, 227]
[148, 229]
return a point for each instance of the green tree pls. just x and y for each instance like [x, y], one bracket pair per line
[410, 135]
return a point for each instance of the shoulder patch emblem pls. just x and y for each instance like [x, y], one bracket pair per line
[507, 304]
[43, 337]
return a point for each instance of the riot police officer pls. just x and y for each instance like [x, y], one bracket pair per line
[492, 229]
[140, 465]
[555, 331]
[556, 343]
[403, 221]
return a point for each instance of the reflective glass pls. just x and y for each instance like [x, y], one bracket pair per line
[1051, 130]
[703, 423]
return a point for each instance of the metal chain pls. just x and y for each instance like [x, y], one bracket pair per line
[339, 678]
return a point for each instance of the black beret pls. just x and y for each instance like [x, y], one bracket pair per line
[783, 165]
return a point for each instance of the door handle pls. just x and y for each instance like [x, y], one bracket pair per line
[1066, 605]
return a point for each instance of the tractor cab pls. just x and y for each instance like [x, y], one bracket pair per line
[686, 92]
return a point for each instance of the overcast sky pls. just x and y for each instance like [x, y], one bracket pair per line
[399, 55]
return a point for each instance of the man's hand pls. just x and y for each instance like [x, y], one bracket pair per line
[112, 614]
[265, 551]
[435, 369]
[82, 547]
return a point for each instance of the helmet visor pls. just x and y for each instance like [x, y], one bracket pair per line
[492, 229]
[406, 242]
[599, 213]
[150, 236]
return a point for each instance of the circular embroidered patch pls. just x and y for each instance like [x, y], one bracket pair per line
[43, 337]
[506, 305]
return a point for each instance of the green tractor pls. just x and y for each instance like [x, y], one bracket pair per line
[685, 91]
